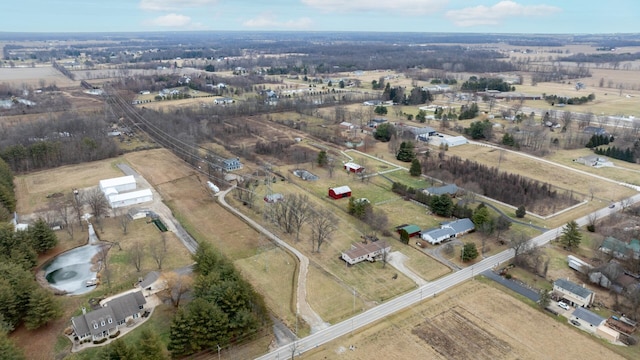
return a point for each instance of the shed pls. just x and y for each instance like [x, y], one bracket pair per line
[412, 230]
[607, 333]
[340, 192]
[454, 141]
[353, 167]
[130, 198]
[119, 184]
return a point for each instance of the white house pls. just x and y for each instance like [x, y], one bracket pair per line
[119, 184]
[447, 230]
[130, 198]
[223, 101]
[454, 141]
[361, 252]
[436, 236]
[572, 293]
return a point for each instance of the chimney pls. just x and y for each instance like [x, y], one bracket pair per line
[84, 310]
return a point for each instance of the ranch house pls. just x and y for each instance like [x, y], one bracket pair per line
[361, 252]
[340, 192]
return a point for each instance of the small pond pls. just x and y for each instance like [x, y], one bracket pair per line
[73, 271]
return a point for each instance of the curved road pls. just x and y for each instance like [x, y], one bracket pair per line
[302, 306]
[425, 291]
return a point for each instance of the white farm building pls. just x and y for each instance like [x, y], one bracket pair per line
[122, 192]
[454, 141]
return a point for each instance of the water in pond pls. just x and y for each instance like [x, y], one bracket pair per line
[71, 271]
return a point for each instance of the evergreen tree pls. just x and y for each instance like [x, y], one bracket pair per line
[405, 153]
[416, 168]
[322, 158]
[521, 212]
[42, 237]
[384, 132]
[118, 350]
[469, 252]
[404, 236]
[441, 205]
[149, 346]
[43, 307]
[8, 350]
[571, 236]
[481, 215]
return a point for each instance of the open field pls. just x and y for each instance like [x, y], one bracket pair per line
[474, 320]
[32, 76]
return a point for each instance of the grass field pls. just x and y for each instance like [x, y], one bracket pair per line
[475, 320]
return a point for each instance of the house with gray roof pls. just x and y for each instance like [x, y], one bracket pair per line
[573, 293]
[587, 317]
[106, 320]
[448, 230]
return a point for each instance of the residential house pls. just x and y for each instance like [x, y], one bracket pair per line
[620, 249]
[152, 283]
[273, 198]
[372, 103]
[361, 252]
[418, 131]
[231, 164]
[587, 318]
[573, 293]
[340, 192]
[448, 230]
[596, 161]
[374, 123]
[450, 189]
[223, 101]
[412, 230]
[105, 321]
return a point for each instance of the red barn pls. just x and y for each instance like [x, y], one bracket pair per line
[340, 192]
[353, 167]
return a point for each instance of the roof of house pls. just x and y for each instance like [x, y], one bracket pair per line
[410, 229]
[123, 180]
[573, 288]
[439, 233]
[231, 161]
[352, 165]
[588, 316]
[446, 189]
[359, 249]
[149, 279]
[421, 130]
[460, 225]
[341, 189]
[634, 245]
[613, 244]
[126, 305]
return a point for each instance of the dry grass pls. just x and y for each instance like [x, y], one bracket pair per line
[330, 298]
[477, 321]
[32, 75]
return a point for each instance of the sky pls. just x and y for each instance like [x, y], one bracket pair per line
[478, 16]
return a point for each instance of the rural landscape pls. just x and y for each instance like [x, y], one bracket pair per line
[319, 195]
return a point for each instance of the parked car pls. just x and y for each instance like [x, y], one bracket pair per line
[563, 305]
[575, 322]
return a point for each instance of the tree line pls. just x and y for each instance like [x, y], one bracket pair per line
[617, 153]
[576, 100]
[475, 84]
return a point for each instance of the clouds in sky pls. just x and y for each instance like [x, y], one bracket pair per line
[269, 21]
[494, 15]
[174, 5]
[170, 20]
[415, 7]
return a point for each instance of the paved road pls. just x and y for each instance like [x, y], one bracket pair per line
[429, 290]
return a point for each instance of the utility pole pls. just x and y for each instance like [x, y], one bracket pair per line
[218, 345]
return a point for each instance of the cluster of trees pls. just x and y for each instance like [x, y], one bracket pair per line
[148, 347]
[506, 187]
[616, 153]
[474, 84]
[480, 129]
[598, 140]
[7, 194]
[406, 152]
[555, 99]
[22, 299]
[468, 112]
[224, 308]
[384, 132]
[397, 94]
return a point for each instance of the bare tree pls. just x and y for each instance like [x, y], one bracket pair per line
[520, 244]
[78, 204]
[377, 220]
[300, 212]
[65, 209]
[323, 225]
[567, 118]
[136, 255]
[98, 203]
[123, 219]
[177, 286]
[158, 251]
[104, 263]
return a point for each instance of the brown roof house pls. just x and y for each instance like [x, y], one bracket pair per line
[105, 321]
[361, 252]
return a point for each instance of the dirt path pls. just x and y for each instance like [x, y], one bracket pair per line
[397, 259]
[302, 306]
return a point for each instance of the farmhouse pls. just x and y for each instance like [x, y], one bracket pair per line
[412, 230]
[231, 164]
[223, 101]
[450, 189]
[353, 167]
[105, 321]
[572, 293]
[340, 192]
[361, 252]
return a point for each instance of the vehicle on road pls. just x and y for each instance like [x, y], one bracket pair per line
[563, 305]
[612, 206]
[575, 322]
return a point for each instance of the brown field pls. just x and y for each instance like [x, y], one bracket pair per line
[472, 321]
[31, 76]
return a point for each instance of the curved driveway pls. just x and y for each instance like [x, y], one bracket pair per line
[302, 306]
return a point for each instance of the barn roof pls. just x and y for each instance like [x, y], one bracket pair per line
[410, 229]
[130, 195]
[341, 189]
[123, 180]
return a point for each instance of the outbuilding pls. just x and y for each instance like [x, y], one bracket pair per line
[353, 167]
[412, 230]
[340, 192]
[454, 141]
[119, 184]
[130, 198]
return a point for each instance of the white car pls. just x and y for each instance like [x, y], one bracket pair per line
[563, 305]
